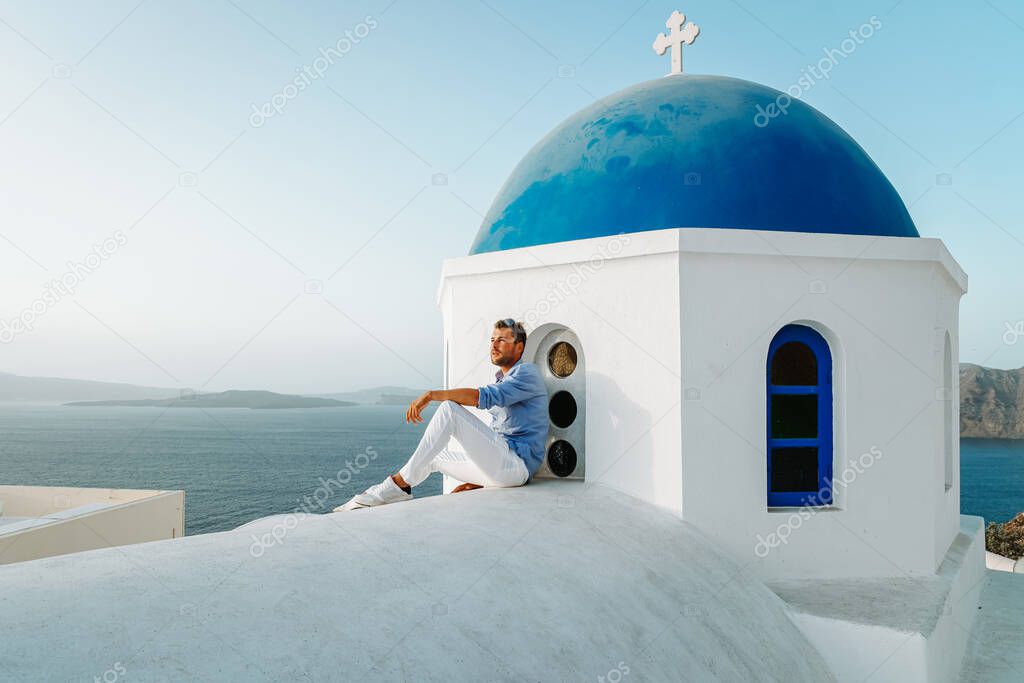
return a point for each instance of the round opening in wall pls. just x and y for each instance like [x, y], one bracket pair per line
[562, 409]
[562, 359]
[562, 458]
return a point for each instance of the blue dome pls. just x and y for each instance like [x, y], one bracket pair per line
[685, 151]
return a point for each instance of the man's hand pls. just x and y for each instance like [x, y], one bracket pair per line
[464, 397]
[416, 407]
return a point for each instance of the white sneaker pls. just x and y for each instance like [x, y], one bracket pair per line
[379, 494]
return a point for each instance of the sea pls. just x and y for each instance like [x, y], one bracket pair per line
[234, 464]
[237, 464]
[992, 478]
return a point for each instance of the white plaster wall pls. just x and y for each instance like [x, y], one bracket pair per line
[964, 567]
[675, 325]
[932, 650]
[619, 296]
[947, 521]
[874, 300]
[853, 651]
[88, 518]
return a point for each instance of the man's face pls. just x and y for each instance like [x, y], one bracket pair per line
[504, 349]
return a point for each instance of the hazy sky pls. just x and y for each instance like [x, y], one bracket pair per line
[128, 131]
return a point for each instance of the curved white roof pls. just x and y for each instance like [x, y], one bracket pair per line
[553, 581]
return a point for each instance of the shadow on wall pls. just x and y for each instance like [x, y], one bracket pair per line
[619, 443]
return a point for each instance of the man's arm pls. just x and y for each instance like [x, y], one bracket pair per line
[525, 383]
[466, 397]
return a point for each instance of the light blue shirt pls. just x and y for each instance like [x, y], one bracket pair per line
[517, 402]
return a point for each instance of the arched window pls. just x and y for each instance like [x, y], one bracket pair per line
[559, 357]
[799, 418]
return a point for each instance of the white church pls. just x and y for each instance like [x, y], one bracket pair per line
[752, 471]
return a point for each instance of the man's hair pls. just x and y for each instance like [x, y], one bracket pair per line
[510, 324]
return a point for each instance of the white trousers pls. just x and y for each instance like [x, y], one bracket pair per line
[458, 444]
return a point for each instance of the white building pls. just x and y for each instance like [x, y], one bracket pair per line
[766, 349]
[675, 310]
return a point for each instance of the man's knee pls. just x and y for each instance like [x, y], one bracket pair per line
[446, 407]
[445, 412]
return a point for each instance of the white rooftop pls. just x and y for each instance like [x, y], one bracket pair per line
[42, 521]
[553, 581]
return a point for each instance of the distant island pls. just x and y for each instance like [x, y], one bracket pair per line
[256, 400]
[21, 388]
[382, 396]
[991, 402]
[59, 390]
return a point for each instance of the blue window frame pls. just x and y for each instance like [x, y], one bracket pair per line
[799, 411]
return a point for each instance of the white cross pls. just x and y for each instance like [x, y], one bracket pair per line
[680, 33]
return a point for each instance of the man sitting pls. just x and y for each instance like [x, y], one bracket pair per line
[456, 443]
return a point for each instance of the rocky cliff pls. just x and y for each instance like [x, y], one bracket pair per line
[991, 402]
